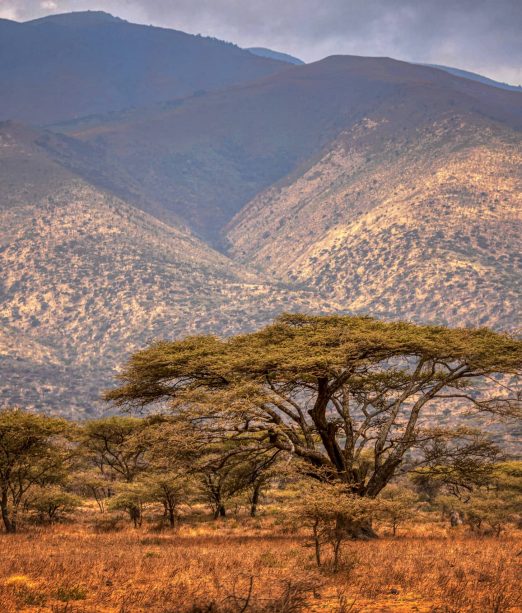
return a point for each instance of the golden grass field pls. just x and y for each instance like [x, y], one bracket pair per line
[245, 565]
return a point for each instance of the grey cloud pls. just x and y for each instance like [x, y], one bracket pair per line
[479, 35]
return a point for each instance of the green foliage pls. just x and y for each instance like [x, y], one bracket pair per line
[116, 445]
[52, 503]
[343, 393]
[398, 505]
[33, 452]
[69, 593]
[508, 476]
[130, 498]
[301, 347]
[334, 515]
[173, 465]
[492, 504]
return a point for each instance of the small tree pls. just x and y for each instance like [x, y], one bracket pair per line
[130, 497]
[398, 506]
[169, 489]
[497, 503]
[228, 468]
[492, 509]
[33, 452]
[172, 463]
[331, 512]
[116, 446]
[92, 483]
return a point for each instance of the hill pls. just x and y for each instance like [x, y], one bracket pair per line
[91, 62]
[90, 279]
[348, 185]
[202, 159]
[473, 76]
[419, 221]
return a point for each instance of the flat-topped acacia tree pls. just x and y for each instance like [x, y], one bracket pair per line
[345, 394]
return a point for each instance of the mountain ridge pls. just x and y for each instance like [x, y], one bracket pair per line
[109, 64]
[275, 55]
[78, 18]
[252, 135]
[473, 76]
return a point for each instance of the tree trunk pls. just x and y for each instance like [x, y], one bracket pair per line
[220, 510]
[9, 523]
[172, 516]
[135, 514]
[255, 499]
[336, 553]
[99, 502]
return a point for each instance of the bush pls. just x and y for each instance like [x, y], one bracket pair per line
[334, 515]
[52, 503]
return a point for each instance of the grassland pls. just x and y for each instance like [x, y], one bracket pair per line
[265, 565]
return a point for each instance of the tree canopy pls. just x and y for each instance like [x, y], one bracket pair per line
[345, 394]
[29, 456]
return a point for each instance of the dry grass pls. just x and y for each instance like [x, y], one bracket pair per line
[253, 566]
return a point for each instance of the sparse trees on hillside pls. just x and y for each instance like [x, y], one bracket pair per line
[345, 394]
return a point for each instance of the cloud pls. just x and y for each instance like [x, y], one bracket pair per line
[479, 35]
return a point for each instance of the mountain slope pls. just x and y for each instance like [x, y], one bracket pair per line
[88, 279]
[203, 159]
[419, 221]
[275, 55]
[351, 184]
[473, 76]
[82, 63]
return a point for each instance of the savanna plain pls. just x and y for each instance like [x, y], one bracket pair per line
[263, 564]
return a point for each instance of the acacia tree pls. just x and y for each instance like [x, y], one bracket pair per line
[171, 464]
[494, 501]
[345, 394]
[327, 511]
[229, 467]
[116, 446]
[32, 453]
[398, 506]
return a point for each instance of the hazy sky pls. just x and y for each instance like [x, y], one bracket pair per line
[484, 36]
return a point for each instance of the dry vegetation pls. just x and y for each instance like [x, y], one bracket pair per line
[88, 279]
[432, 234]
[215, 566]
